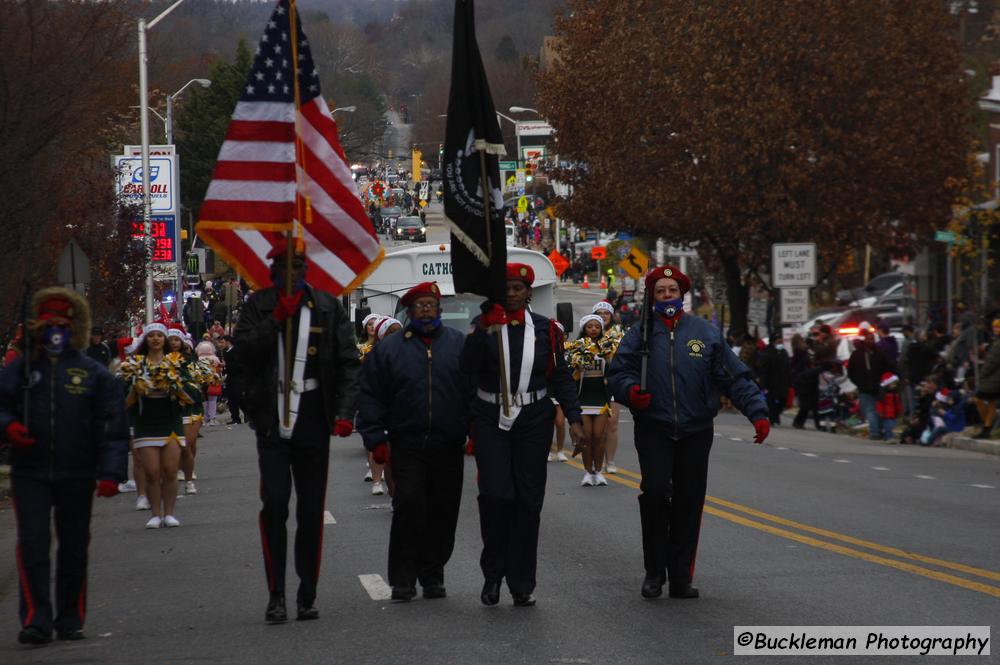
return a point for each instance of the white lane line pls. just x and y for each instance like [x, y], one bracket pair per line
[735, 438]
[983, 487]
[375, 586]
[842, 461]
[881, 468]
[924, 477]
[717, 434]
[328, 517]
[809, 454]
[780, 448]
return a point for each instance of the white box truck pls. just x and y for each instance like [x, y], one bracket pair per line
[431, 262]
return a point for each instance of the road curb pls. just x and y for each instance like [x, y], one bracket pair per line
[4, 481]
[988, 446]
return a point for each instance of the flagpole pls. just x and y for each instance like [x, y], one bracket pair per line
[290, 233]
[487, 209]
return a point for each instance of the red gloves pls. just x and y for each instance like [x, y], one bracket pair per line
[287, 306]
[380, 455]
[107, 488]
[470, 447]
[639, 398]
[343, 427]
[762, 428]
[19, 436]
[494, 316]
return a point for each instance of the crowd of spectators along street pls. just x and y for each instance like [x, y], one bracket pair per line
[915, 390]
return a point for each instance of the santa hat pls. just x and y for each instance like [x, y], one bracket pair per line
[888, 379]
[942, 395]
[143, 331]
[371, 317]
[603, 305]
[176, 329]
[587, 318]
[382, 327]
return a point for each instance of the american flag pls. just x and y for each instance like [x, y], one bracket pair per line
[278, 164]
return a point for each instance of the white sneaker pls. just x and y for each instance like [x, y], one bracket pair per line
[561, 456]
[378, 488]
[127, 486]
[600, 480]
[180, 475]
[368, 475]
[588, 480]
[189, 487]
[194, 476]
[612, 468]
[170, 521]
[154, 522]
[142, 503]
[552, 457]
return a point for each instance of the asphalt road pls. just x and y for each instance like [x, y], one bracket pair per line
[808, 529]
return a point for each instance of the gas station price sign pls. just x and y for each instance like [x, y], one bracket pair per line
[163, 231]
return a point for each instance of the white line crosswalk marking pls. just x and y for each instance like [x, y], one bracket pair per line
[328, 517]
[375, 586]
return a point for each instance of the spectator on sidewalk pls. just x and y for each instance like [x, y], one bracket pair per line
[887, 344]
[988, 390]
[865, 369]
[775, 376]
[889, 405]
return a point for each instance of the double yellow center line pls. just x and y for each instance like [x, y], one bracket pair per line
[903, 561]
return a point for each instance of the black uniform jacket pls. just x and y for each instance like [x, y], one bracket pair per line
[415, 393]
[76, 416]
[257, 354]
[480, 358]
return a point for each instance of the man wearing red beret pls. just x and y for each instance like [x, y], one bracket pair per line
[512, 444]
[324, 368]
[72, 436]
[689, 365]
[414, 416]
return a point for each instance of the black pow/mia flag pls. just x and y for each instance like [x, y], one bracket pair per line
[473, 200]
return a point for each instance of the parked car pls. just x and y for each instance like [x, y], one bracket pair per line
[411, 228]
[876, 287]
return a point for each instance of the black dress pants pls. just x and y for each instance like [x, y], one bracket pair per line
[35, 501]
[425, 510]
[512, 473]
[674, 480]
[302, 460]
[807, 405]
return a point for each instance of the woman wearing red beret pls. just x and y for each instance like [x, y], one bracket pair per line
[689, 366]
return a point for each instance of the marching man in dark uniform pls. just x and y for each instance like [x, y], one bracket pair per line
[511, 449]
[688, 365]
[324, 387]
[414, 416]
[69, 433]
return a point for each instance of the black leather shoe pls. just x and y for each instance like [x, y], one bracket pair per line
[33, 635]
[523, 600]
[306, 611]
[70, 635]
[432, 591]
[683, 590]
[652, 585]
[404, 593]
[276, 612]
[491, 593]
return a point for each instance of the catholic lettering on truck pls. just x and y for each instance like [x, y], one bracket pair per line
[403, 268]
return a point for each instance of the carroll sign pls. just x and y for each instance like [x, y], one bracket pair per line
[161, 181]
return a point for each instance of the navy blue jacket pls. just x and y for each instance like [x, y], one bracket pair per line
[480, 358]
[414, 394]
[688, 368]
[77, 418]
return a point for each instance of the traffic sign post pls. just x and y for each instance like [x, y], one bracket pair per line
[794, 305]
[635, 264]
[793, 264]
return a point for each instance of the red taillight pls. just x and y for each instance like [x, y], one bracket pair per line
[848, 331]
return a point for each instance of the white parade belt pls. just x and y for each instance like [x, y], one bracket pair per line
[516, 399]
[306, 386]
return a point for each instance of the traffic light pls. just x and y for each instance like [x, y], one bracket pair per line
[529, 174]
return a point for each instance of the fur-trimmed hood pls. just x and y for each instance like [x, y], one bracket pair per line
[80, 316]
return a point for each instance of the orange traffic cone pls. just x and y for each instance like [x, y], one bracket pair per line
[604, 283]
[586, 281]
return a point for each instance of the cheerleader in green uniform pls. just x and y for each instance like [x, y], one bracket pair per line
[587, 358]
[179, 342]
[156, 399]
[613, 333]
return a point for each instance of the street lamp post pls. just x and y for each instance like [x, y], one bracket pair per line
[521, 109]
[169, 122]
[143, 28]
[345, 109]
